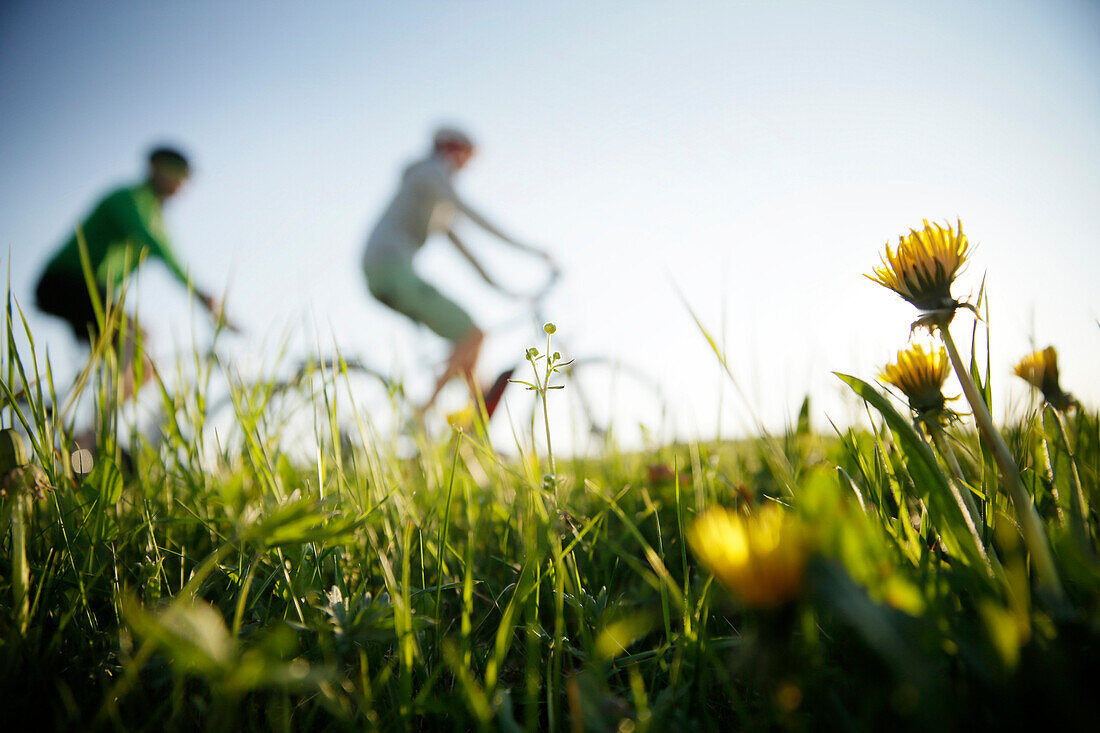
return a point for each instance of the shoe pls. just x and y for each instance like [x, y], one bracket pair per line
[496, 391]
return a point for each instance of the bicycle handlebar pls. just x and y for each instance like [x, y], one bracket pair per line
[539, 295]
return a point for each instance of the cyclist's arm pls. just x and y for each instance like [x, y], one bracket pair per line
[447, 191]
[145, 226]
[484, 224]
[159, 247]
[142, 226]
[471, 259]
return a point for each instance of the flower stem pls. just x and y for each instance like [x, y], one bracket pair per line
[1035, 537]
[958, 483]
[20, 582]
[546, 416]
[939, 438]
[1078, 507]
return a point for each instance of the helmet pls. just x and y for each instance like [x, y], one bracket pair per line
[451, 137]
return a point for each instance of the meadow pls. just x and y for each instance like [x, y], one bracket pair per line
[927, 569]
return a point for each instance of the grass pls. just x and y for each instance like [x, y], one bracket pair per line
[227, 584]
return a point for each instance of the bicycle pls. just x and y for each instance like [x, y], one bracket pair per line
[604, 399]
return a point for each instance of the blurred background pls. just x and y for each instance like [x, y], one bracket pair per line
[749, 159]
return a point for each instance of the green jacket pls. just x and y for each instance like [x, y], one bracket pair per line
[122, 225]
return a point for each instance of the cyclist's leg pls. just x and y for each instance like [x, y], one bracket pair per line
[462, 362]
[66, 297]
[399, 287]
[128, 352]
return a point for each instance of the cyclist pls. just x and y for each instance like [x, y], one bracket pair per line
[426, 202]
[125, 224]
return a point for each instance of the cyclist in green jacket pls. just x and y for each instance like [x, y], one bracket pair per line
[122, 227]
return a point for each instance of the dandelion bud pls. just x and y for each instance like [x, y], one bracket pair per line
[1040, 370]
[549, 328]
[13, 451]
[17, 475]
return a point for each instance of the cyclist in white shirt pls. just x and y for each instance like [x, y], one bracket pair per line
[426, 202]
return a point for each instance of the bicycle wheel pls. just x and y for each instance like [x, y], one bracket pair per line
[324, 402]
[235, 411]
[355, 403]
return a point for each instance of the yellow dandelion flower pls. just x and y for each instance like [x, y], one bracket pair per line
[463, 419]
[924, 266]
[1040, 370]
[920, 375]
[761, 558]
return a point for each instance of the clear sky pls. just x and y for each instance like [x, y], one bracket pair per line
[755, 155]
